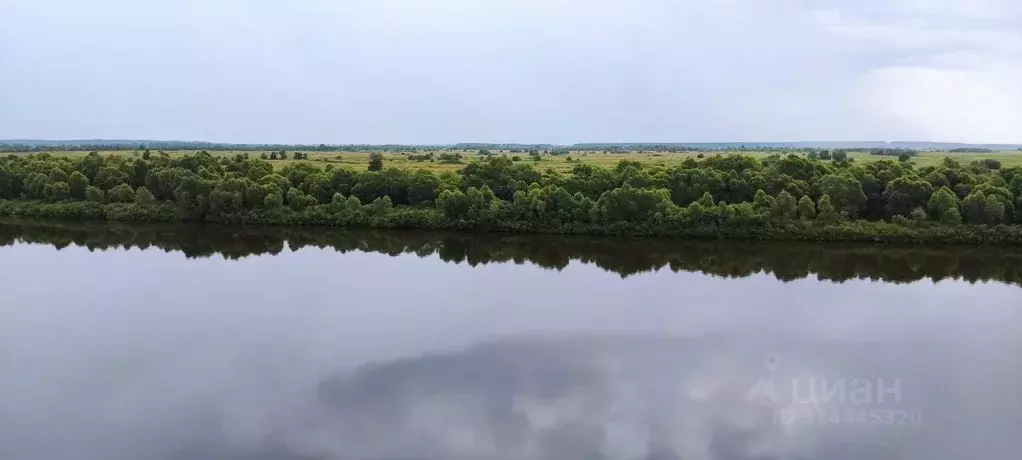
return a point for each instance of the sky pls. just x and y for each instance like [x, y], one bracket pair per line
[530, 71]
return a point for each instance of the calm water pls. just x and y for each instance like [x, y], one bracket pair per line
[183, 343]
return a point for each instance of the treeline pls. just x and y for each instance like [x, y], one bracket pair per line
[900, 153]
[623, 256]
[127, 146]
[734, 196]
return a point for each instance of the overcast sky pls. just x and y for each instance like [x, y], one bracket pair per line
[561, 71]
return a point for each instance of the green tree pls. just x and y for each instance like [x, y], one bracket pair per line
[273, 200]
[941, 203]
[905, 194]
[785, 206]
[144, 197]
[826, 211]
[762, 203]
[454, 203]
[951, 216]
[974, 208]
[294, 198]
[845, 192]
[109, 177]
[381, 206]
[994, 210]
[77, 182]
[57, 191]
[806, 208]
[121, 194]
[94, 194]
[706, 200]
[375, 161]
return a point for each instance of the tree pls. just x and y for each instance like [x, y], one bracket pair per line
[629, 204]
[109, 177]
[94, 194]
[994, 210]
[918, 215]
[454, 203]
[77, 182]
[57, 191]
[144, 197]
[274, 156]
[294, 198]
[381, 205]
[973, 208]
[941, 205]
[375, 161]
[905, 194]
[121, 194]
[273, 200]
[706, 200]
[762, 203]
[846, 193]
[785, 206]
[806, 208]
[952, 216]
[825, 210]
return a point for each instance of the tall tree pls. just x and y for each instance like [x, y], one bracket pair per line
[375, 161]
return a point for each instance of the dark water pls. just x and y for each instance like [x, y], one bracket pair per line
[183, 343]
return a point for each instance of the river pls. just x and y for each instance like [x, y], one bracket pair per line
[202, 343]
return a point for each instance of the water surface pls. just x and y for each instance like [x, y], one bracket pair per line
[126, 342]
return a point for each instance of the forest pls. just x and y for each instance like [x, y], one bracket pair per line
[796, 197]
[624, 256]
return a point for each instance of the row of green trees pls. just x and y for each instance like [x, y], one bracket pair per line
[734, 195]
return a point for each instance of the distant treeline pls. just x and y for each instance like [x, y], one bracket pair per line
[970, 150]
[721, 196]
[900, 153]
[89, 146]
[30, 145]
[624, 256]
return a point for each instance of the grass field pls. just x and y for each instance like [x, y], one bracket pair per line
[360, 160]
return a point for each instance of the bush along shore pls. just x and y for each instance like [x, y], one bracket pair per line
[732, 197]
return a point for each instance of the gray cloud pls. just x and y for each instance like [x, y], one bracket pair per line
[503, 70]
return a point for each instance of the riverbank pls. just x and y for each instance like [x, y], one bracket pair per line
[709, 225]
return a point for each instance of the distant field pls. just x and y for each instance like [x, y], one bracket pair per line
[360, 160]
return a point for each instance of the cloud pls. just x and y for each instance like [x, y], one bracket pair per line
[948, 66]
[502, 70]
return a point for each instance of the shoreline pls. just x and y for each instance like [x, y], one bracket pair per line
[421, 218]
